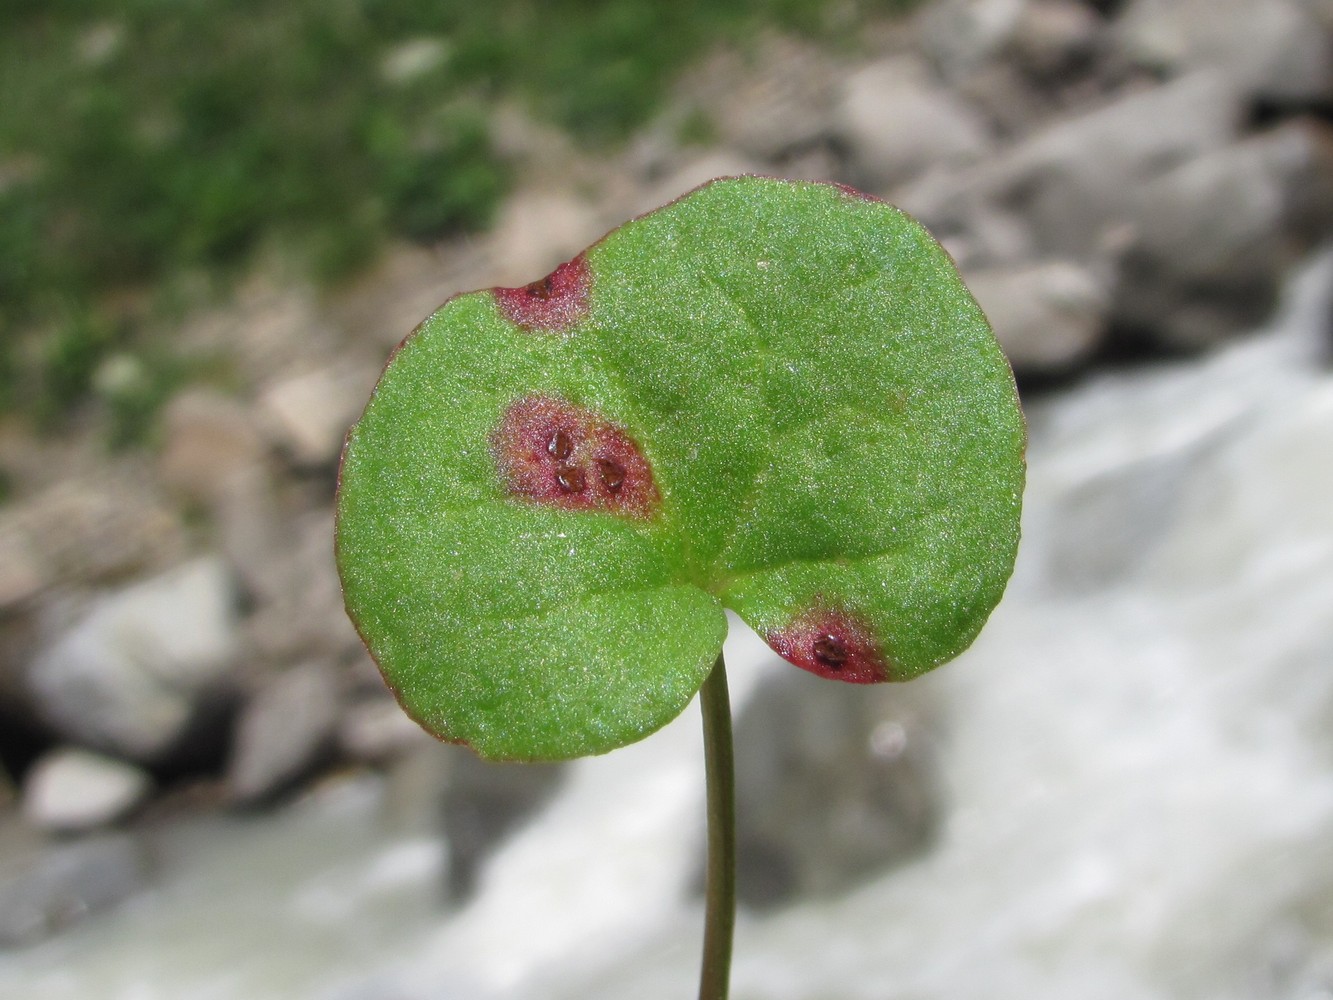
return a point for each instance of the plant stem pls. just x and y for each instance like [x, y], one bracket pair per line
[720, 773]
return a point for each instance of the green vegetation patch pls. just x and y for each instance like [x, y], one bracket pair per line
[140, 138]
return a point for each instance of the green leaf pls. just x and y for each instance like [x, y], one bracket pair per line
[768, 396]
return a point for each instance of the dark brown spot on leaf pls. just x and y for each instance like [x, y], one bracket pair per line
[830, 651]
[571, 478]
[552, 452]
[611, 474]
[559, 446]
[833, 644]
[554, 304]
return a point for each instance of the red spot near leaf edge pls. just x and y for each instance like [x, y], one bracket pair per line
[553, 304]
[832, 644]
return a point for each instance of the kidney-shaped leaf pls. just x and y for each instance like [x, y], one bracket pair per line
[769, 396]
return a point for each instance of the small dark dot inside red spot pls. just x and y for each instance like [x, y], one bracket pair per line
[560, 447]
[612, 475]
[571, 479]
[540, 289]
[830, 651]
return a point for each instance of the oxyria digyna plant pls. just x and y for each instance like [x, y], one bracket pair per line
[769, 396]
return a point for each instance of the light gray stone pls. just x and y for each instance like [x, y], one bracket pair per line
[23, 572]
[46, 887]
[1209, 247]
[538, 229]
[130, 675]
[485, 802]
[1048, 316]
[285, 730]
[107, 524]
[269, 326]
[1274, 49]
[895, 121]
[1309, 189]
[306, 416]
[1076, 183]
[413, 58]
[375, 730]
[775, 104]
[960, 36]
[300, 611]
[72, 790]
[251, 532]
[977, 240]
[994, 239]
[1052, 37]
[1013, 101]
[210, 440]
[693, 172]
[1079, 180]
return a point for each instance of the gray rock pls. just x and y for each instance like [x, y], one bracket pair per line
[1053, 37]
[375, 730]
[268, 326]
[306, 416]
[693, 172]
[412, 59]
[72, 790]
[835, 784]
[300, 611]
[1273, 49]
[1308, 181]
[18, 641]
[976, 231]
[895, 121]
[96, 528]
[284, 731]
[961, 36]
[23, 572]
[776, 103]
[483, 804]
[1075, 183]
[1209, 247]
[132, 674]
[251, 532]
[46, 887]
[992, 239]
[415, 788]
[1012, 103]
[437, 788]
[210, 439]
[1079, 180]
[1048, 316]
[536, 230]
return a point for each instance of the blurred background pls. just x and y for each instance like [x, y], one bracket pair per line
[216, 219]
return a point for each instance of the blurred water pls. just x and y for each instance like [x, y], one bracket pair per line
[281, 905]
[1137, 765]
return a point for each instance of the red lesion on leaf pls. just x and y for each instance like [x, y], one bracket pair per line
[555, 304]
[832, 644]
[555, 453]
